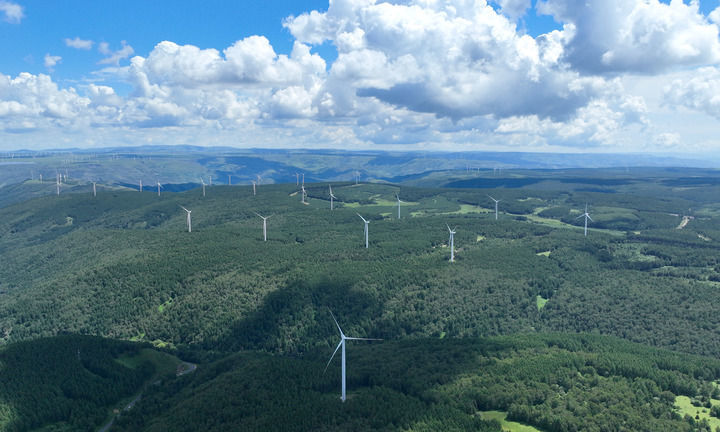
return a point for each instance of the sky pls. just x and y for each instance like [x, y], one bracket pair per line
[592, 76]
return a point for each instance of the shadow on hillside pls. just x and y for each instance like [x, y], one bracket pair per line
[296, 318]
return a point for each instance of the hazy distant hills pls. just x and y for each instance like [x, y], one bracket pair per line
[188, 164]
[534, 322]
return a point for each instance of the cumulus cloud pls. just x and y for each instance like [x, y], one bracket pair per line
[50, 61]
[453, 59]
[514, 8]
[114, 57]
[78, 43]
[635, 36]
[13, 12]
[424, 72]
[36, 99]
[701, 92]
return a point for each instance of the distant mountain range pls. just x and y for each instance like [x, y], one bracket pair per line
[188, 164]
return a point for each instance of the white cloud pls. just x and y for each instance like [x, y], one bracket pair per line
[114, 57]
[700, 92]
[13, 11]
[636, 36]
[79, 43]
[453, 59]
[50, 61]
[36, 99]
[427, 73]
[514, 8]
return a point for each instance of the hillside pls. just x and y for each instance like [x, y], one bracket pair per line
[122, 265]
[551, 382]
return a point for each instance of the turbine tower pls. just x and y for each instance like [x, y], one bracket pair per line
[303, 194]
[189, 219]
[57, 183]
[452, 242]
[203, 185]
[158, 187]
[94, 190]
[229, 180]
[398, 201]
[264, 218]
[253, 182]
[332, 198]
[586, 215]
[297, 179]
[496, 205]
[366, 230]
[343, 338]
[140, 186]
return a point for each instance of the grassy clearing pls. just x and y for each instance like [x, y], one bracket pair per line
[540, 301]
[480, 238]
[162, 307]
[545, 254]
[554, 223]
[164, 363]
[508, 426]
[467, 209]
[685, 406]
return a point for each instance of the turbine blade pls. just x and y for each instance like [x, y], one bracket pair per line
[354, 338]
[588, 216]
[336, 323]
[332, 356]
[184, 208]
[582, 215]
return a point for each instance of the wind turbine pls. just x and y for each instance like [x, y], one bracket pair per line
[41, 179]
[398, 201]
[586, 215]
[253, 182]
[94, 189]
[366, 230]
[303, 194]
[343, 338]
[158, 187]
[140, 186]
[203, 185]
[303, 182]
[229, 180]
[297, 179]
[57, 183]
[332, 197]
[452, 242]
[496, 205]
[357, 177]
[264, 218]
[189, 219]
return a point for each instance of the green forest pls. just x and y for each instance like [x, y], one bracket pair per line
[558, 331]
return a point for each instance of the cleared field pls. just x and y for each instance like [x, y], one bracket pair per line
[164, 363]
[685, 407]
[540, 302]
[508, 426]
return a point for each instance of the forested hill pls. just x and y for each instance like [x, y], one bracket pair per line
[552, 382]
[122, 265]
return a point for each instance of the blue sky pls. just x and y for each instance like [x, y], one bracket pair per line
[526, 75]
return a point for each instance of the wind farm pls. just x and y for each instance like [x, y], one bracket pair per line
[264, 298]
[568, 148]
